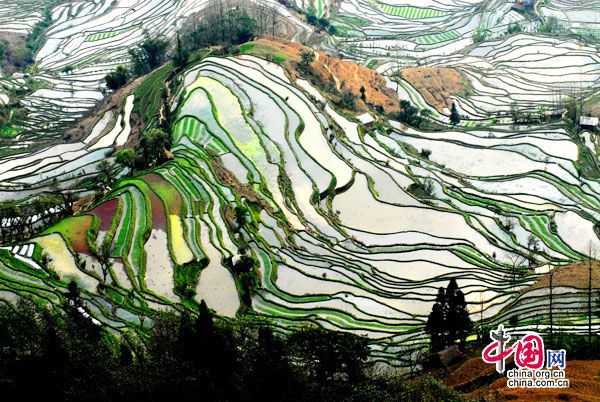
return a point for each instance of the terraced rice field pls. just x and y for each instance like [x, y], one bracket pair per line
[527, 69]
[339, 236]
[410, 12]
[339, 240]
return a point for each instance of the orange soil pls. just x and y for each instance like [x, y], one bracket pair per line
[468, 371]
[335, 73]
[575, 275]
[584, 386]
[582, 374]
[436, 84]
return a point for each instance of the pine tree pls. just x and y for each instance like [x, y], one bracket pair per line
[181, 56]
[449, 318]
[459, 323]
[436, 322]
[454, 116]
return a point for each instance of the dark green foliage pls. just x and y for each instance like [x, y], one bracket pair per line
[181, 55]
[148, 55]
[17, 212]
[153, 144]
[126, 157]
[222, 26]
[307, 57]
[454, 115]
[240, 213]
[408, 114]
[2, 50]
[436, 326]
[117, 78]
[459, 323]
[149, 96]
[23, 55]
[347, 99]
[551, 25]
[326, 355]
[189, 358]
[362, 94]
[449, 319]
[481, 35]
[514, 28]
[421, 189]
[186, 278]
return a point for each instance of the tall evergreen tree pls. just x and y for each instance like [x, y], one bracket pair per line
[459, 323]
[436, 322]
[449, 318]
[454, 115]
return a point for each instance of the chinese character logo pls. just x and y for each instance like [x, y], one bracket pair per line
[528, 352]
[556, 358]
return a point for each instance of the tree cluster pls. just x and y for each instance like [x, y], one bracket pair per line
[322, 23]
[151, 151]
[20, 215]
[408, 114]
[226, 23]
[187, 358]
[148, 55]
[449, 320]
[118, 78]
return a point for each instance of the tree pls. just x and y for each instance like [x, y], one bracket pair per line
[117, 78]
[148, 55]
[223, 24]
[533, 246]
[516, 269]
[481, 35]
[347, 99]
[459, 322]
[362, 94]
[240, 215]
[126, 158]
[408, 114]
[181, 55]
[591, 254]
[514, 28]
[73, 294]
[550, 25]
[551, 306]
[449, 319]
[305, 64]
[436, 322]
[324, 355]
[454, 115]
[153, 144]
[104, 259]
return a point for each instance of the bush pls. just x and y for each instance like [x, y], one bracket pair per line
[117, 78]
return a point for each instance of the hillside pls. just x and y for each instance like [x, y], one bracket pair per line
[227, 172]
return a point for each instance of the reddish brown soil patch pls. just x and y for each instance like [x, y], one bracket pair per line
[76, 232]
[584, 386]
[469, 371]
[575, 275]
[334, 73]
[158, 213]
[436, 84]
[106, 213]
